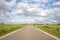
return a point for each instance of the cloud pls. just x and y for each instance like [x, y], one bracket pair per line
[34, 9]
[35, 12]
[11, 3]
[40, 0]
[57, 3]
[18, 12]
[15, 20]
[39, 18]
[22, 5]
[55, 16]
[31, 9]
[29, 12]
[4, 13]
[6, 7]
[35, 0]
[25, 20]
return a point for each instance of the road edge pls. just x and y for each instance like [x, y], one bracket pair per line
[47, 34]
[11, 33]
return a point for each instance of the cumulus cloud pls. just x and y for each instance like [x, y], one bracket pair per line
[2, 4]
[35, 0]
[6, 7]
[12, 3]
[25, 20]
[35, 12]
[55, 16]
[57, 3]
[18, 12]
[29, 12]
[40, 0]
[32, 9]
[15, 20]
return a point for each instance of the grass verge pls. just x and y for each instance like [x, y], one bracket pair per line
[7, 28]
[53, 29]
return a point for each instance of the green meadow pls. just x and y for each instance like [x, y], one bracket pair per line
[53, 29]
[7, 28]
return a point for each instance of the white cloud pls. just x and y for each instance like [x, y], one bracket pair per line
[30, 21]
[56, 9]
[4, 13]
[40, 0]
[27, 5]
[23, 5]
[35, 0]
[53, 21]
[57, 3]
[21, 21]
[25, 8]
[6, 6]
[12, 3]
[2, 4]
[19, 11]
[33, 9]
[45, 12]
[50, 11]
[39, 18]
[15, 20]
[28, 8]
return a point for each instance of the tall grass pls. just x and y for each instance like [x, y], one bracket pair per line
[7, 28]
[50, 28]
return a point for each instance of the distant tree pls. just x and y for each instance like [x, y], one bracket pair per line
[58, 24]
[46, 26]
[2, 23]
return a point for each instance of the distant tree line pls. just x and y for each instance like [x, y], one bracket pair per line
[58, 24]
[2, 23]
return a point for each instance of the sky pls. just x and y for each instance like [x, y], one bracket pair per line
[30, 11]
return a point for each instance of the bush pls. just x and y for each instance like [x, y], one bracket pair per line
[46, 26]
[58, 24]
[2, 23]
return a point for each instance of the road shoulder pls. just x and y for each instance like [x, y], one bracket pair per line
[48, 34]
[11, 33]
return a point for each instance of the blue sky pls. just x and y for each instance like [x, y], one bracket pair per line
[30, 11]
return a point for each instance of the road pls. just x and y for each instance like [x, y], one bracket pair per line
[28, 33]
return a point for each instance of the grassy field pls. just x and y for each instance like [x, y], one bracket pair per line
[53, 29]
[7, 28]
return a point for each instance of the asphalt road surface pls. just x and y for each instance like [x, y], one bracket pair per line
[28, 33]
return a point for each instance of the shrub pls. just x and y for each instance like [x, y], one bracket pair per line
[2, 23]
[58, 24]
[46, 26]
